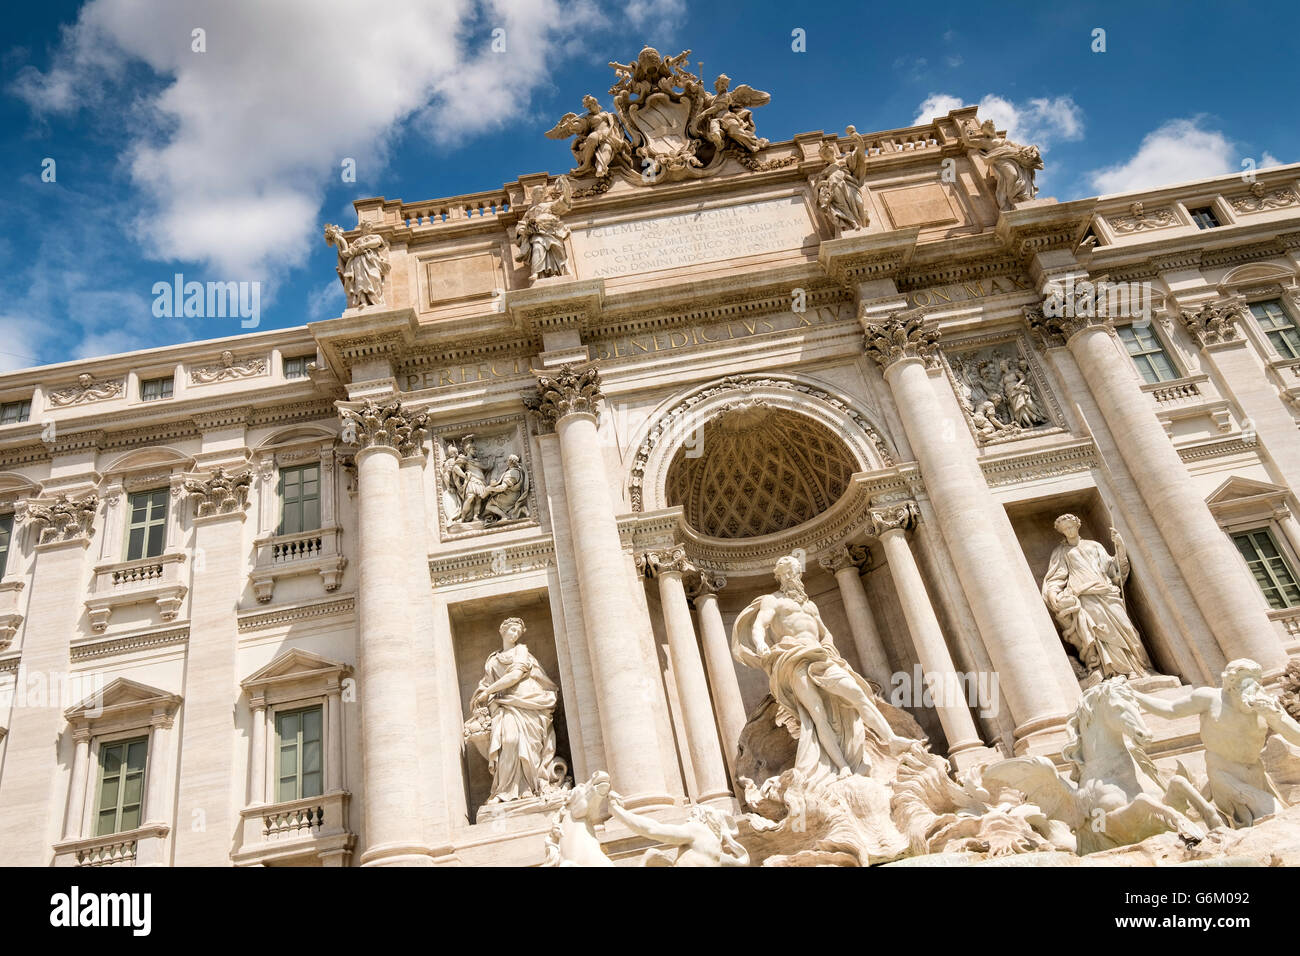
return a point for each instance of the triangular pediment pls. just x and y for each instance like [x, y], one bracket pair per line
[1236, 488]
[121, 696]
[294, 664]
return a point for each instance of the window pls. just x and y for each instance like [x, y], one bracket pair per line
[6, 532]
[147, 529]
[152, 389]
[299, 499]
[1270, 568]
[1204, 217]
[1148, 354]
[1277, 326]
[121, 785]
[298, 736]
[14, 412]
[296, 367]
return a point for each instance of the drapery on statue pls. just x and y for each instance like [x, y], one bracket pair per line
[362, 264]
[600, 141]
[540, 233]
[822, 702]
[707, 838]
[727, 115]
[478, 488]
[838, 187]
[1236, 720]
[511, 721]
[1013, 165]
[1083, 588]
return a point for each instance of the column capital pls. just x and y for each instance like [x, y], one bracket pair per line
[703, 583]
[903, 335]
[371, 425]
[903, 516]
[1051, 331]
[846, 556]
[1214, 322]
[219, 492]
[63, 519]
[672, 560]
[573, 390]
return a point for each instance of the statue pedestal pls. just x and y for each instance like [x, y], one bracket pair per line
[500, 814]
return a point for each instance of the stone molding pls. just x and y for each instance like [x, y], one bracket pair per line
[144, 641]
[261, 620]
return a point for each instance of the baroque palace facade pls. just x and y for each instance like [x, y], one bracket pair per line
[381, 589]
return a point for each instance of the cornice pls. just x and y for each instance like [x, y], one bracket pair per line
[448, 568]
[260, 620]
[147, 640]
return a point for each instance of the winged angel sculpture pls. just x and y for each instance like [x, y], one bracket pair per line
[665, 125]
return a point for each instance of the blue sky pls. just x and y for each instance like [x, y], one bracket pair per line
[223, 164]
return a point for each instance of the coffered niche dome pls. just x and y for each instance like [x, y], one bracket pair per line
[758, 470]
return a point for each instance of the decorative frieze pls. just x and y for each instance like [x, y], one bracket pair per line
[370, 425]
[572, 391]
[1213, 323]
[85, 390]
[903, 335]
[291, 614]
[484, 478]
[1139, 219]
[228, 369]
[465, 567]
[1260, 199]
[146, 641]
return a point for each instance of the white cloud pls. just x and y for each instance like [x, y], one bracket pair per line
[20, 342]
[234, 147]
[656, 19]
[1268, 159]
[326, 301]
[1040, 121]
[1177, 151]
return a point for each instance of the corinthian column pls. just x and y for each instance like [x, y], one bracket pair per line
[975, 528]
[891, 526]
[1214, 572]
[728, 705]
[667, 568]
[386, 683]
[846, 564]
[568, 402]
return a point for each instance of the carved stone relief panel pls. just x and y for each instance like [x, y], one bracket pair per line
[1001, 389]
[485, 477]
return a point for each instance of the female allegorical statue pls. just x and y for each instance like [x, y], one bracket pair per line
[1082, 588]
[511, 722]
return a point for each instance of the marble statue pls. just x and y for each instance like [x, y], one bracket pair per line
[727, 117]
[540, 234]
[478, 489]
[511, 721]
[1013, 165]
[572, 839]
[838, 188]
[599, 143]
[821, 701]
[1083, 589]
[707, 838]
[1290, 696]
[362, 266]
[1236, 720]
[1115, 795]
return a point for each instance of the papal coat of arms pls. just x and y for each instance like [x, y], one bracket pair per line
[665, 125]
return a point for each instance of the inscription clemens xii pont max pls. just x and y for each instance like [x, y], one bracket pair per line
[705, 235]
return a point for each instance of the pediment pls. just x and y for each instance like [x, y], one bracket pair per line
[121, 697]
[1244, 496]
[293, 665]
[161, 458]
[1257, 273]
